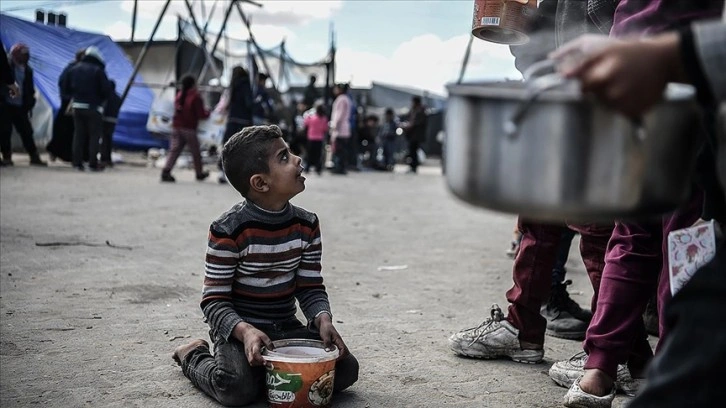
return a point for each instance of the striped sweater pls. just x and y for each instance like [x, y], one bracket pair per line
[258, 263]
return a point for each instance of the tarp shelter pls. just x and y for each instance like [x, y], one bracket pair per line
[51, 49]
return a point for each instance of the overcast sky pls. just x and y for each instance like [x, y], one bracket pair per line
[411, 43]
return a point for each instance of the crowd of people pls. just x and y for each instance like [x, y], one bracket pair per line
[82, 131]
[84, 125]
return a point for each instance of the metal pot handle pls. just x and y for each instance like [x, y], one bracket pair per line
[535, 89]
[538, 67]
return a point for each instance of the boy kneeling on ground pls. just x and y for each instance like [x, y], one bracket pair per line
[262, 255]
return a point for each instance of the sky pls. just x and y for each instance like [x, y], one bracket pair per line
[410, 43]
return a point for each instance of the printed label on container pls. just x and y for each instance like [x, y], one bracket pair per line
[490, 21]
[281, 387]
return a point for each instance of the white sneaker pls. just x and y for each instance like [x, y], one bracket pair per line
[564, 373]
[577, 398]
[493, 338]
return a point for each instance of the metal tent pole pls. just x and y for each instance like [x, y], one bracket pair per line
[254, 43]
[140, 58]
[219, 36]
[210, 60]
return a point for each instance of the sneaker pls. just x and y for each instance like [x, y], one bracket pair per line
[565, 318]
[8, 162]
[565, 373]
[167, 177]
[577, 398]
[494, 338]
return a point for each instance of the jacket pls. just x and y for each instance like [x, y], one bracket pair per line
[340, 117]
[63, 81]
[189, 111]
[87, 84]
[27, 88]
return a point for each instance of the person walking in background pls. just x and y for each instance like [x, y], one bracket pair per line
[340, 128]
[415, 130]
[239, 109]
[61, 144]
[110, 118]
[316, 126]
[16, 107]
[88, 88]
[263, 109]
[311, 93]
[189, 110]
[387, 138]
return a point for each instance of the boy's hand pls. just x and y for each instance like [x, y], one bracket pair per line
[329, 334]
[253, 340]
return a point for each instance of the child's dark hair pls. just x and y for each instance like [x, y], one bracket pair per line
[320, 110]
[247, 153]
[187, 83]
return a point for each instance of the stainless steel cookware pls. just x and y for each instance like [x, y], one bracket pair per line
[542, 149]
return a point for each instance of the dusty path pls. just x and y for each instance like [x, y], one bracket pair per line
[95, 325]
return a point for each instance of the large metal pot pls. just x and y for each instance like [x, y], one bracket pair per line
[556, 154]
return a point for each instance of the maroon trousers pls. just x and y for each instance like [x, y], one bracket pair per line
[636, 264]
[532, 271]
[179, 138]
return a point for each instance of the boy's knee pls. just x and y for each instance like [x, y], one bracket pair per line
[233, 390]
[346, 373]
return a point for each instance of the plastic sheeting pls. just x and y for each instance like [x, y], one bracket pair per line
[52, 48]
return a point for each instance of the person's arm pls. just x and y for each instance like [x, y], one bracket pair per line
[221, 262]
[199, 108]
[31, 88]
[310, 291]
[628, 75]
[324, 121]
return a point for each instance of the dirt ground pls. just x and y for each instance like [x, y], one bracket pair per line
[95, 324]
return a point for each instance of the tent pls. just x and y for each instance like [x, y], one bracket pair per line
[51, 49]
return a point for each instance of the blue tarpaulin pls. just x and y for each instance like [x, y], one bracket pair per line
[52, 48]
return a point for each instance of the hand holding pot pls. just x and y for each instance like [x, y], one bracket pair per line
[627, 75]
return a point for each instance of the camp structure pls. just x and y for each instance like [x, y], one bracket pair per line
[51, 49]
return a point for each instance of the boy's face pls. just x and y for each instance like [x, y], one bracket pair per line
[285, 178]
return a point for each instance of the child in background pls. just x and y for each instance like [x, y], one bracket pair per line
[189, 111]
[387, 138]
[110, 117]
[262, 255]
[317, 126]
